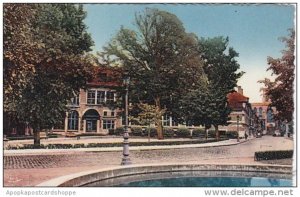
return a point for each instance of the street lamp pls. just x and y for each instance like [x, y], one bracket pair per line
[237, 127]
[126, 159]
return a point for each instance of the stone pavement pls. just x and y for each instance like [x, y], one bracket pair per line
[30, 170]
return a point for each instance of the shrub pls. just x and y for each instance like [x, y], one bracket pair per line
[111, 131]
[198, 133]
[231, 134]
[59, 146]
[269, 155]
[211, 133]
[153, 131]
[78, 146]
[119, 131]
[91, 145]
[183, 132]
[32, 146]
[168, 132]
[137, 131]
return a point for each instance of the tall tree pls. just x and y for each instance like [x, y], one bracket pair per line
[20, 51]
[161, 58]
[281, 90]
[221, 68]
[60, 70]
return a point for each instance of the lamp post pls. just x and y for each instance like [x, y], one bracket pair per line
[126, 159]
[237, 127]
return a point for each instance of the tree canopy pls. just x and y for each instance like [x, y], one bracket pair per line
[160, 57]
[57, 62]
[281, 90]
[209, 106]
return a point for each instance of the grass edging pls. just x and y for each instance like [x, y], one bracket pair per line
[118, 144]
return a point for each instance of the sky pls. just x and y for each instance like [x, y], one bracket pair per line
[253, 30]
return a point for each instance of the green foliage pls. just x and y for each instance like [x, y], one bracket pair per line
[94, 145]
[56, 65]
[211, 133]
[152, 130]
[183, 132]
[111, 131]
[161, 58]
[199, 133]
[119, 131]
[168, 132]
[281, 90]
[136, 131]
[231, 134]
[270, 155]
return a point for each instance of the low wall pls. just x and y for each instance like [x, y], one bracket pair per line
[117, 175]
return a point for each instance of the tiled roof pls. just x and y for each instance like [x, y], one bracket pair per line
[107, 77]
[236, 100]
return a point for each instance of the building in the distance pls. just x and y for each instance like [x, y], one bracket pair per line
[265, 115]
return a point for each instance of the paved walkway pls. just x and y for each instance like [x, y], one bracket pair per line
[32, 169]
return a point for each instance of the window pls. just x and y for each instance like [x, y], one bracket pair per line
[110, 96]
[270, 115]
[174, 123]
[166, 120]
[91, 96]
[108, 124]
[105, 113]
[112, 113]
[73, 120]
[260, 112]
[75, 101]
[100, 97]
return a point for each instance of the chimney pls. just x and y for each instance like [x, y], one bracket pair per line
[240, 90]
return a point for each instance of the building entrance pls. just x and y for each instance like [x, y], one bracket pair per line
[91, 116]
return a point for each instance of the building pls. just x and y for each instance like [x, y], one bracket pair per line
[265, 115]
[241, 117]
[94, 109]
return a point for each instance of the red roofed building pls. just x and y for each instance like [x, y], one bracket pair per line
[241, 117]
[93, 110]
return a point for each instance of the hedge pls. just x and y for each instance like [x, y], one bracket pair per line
[153, 131]
[119, 131]
[270, 155]
[183, 132]
[198, 133]
[211, 133]
[137, 131]
[168, 132]
[119, 144]
[231, 134]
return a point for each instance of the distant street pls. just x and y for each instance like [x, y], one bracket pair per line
[25, 170]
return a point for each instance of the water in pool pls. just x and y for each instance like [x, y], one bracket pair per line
[211, 182]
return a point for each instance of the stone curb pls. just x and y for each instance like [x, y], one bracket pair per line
[116, 149]
[108, 174]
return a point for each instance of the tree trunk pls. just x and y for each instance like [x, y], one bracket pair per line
[160, 135]
[36, 137]
[206, 134]
[217, 132]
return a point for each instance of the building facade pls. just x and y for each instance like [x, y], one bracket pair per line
[94, 109]
[241, 116]
[265, 114]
